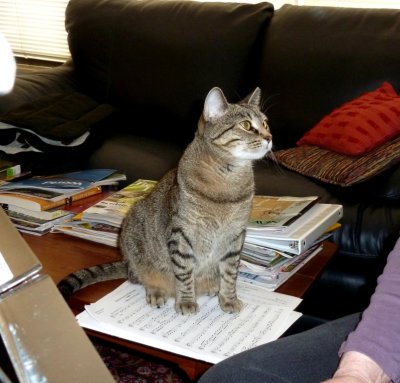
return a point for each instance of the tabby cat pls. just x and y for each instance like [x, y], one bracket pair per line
[185, 238]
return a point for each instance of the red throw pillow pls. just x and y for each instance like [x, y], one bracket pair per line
[360, 125]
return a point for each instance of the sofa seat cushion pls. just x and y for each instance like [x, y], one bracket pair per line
[360, 125]
[339, 169]
[135, 156]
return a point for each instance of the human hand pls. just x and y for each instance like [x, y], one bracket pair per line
[346, 379]
[355, 367]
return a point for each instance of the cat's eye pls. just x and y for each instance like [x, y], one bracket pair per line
[265, 124]
[246, 125]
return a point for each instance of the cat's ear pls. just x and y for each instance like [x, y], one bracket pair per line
[254, 98]
[215, 105]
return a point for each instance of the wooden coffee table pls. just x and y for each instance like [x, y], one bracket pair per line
[61, 254]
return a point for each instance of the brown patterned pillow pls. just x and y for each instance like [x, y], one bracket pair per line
[336, 168]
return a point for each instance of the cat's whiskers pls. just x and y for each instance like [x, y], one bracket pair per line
[266, 105]
[270, 159]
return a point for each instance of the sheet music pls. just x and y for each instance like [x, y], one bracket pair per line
[210, 335]
[261, 295]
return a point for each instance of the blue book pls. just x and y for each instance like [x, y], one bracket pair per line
[91, 175]
[73, 181]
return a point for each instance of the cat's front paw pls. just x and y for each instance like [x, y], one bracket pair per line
[231, 306]
[212, 292]
[186, 308]
[155, 297]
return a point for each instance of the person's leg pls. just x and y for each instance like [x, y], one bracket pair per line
[310, 356]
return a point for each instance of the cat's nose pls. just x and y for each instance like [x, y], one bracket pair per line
[264, 132]
[266, 135]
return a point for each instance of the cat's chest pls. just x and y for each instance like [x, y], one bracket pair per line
[213, 236]
[211, 226]
[215, 219]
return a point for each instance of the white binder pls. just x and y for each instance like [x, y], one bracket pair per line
[302, 234]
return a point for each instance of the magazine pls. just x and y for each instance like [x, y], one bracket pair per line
[35, 226]
[275, 213]
[113, 209]
[270, 278]
[92, 231]
[45, 214]
[102, 221]
[51, 187]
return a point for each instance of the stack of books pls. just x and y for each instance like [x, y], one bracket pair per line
[102, 222]
[36, 204]
[284, 233]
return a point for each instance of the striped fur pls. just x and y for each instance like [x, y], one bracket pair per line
[85, 277]
[185, 238]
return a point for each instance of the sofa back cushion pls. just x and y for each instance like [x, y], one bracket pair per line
[317, 58]
[158, 59]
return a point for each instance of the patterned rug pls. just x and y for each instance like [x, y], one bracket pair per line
[128, 367]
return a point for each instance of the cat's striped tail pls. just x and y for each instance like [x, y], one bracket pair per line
[91, 275]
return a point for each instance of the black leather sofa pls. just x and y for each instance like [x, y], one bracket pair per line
[154, 62]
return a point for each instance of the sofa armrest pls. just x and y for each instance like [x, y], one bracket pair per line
[31, 86]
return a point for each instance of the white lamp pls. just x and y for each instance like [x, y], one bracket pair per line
[7, 67]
